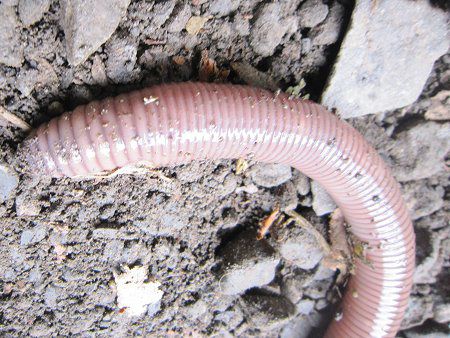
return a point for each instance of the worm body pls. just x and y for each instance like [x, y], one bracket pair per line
[177, 123]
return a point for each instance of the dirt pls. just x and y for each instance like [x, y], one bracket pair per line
[63, 241]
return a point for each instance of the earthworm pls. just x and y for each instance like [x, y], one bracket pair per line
[176, 123]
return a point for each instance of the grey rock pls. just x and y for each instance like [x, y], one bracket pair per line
[300, 327]
[267, 310]
[323, 272]
[270, 175]
[31, 11]
[223, 7]
[196, 310]
[51, 296]
[291, 288]
[121, 60]
[106, 233]
[33, 236]
[305, 306]
[441, 313]
[321, 304]
[421, 199]
[27, 207]
[161, 12]
[420, 151]
[11, 49]
[301, 183]
[418, 311]
[180, 17]
[372, 64]
[303, 251]
[328, 32]
[98, 71]
[89, 24]
[322, 202]
[248, 263]
[268, 30]
[8, 182]
[312, 13]
[318, 289]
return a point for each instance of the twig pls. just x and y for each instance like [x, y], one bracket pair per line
[14, 120]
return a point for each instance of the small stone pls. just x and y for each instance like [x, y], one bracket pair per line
[121, 60]
[135, 294]
[31, 11]
[318, 289]
[305, 306]
[179, 19]
[420, 151]
[196, 310]
[33, 236]
[322, 202]
[323, 272]
[8, 182]
[247, 262]
[268, 30]
[51, 296]
[441, 313]
[161, 12]
[11, 49]
[438, 109]
[98, 71]
[312, 13]
[223, 7]
[270, 175]
[25, 206]
[303, 251]
[291, 288]
[418, 311]
[267, 310]
[88, 24]
[372, 64]
[321, 304]
[105, 233]
[300, 327]
[422, 199]
[195, 24]
[301, 182]
[328, 32]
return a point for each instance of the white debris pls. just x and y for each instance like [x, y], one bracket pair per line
[151, 99]
[134, 294]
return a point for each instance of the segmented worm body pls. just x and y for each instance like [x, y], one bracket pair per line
[177, 123]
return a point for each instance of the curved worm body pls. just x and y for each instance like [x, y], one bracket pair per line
[177, 123]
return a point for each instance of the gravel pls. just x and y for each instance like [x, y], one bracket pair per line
[11, 48]
[8, 182]
[382, 55]
[270, 175]
[322, 202]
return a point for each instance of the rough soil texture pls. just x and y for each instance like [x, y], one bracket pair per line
[64, 243]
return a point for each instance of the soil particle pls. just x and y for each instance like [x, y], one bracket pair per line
[11, 48]
[8, 182]
[312, 13]
[322, 203]
[270, 175]
[31, 11]
[88, 24]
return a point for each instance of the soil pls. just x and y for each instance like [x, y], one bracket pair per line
[63, 241]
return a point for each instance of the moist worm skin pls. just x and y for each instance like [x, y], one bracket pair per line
[177, 123]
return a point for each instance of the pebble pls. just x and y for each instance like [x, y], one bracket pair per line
[121, 60]
[390, 48]
[270, 175]
[33, 236]
[291, 288]
[420, 151]
[328, 32]
[223, 7]
[300, 327]
[318, 289]
[31, 11]
[441, 313]
[305, 306]
[419, 309]
[11, 49]
[268, 30]
[248, 263]
[303, 252]
[322, 202]
[85, 30]
[267, 310]
[312, 13]
[8, 182]
[26, 206]
[179, 19]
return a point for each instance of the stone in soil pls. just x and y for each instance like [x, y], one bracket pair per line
[420, 151]
[121, 60]
[386, 57]
[269, 29]
[11, 49]
[89, 24]
[247, 263]
[322, 202]
[267, 311]
[270, 175]
[223, 7]
[312, 13]
[8, 182]
[419, 309]
[328, 32]
[31, 11]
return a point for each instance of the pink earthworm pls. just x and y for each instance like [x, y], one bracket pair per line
[176, 123]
